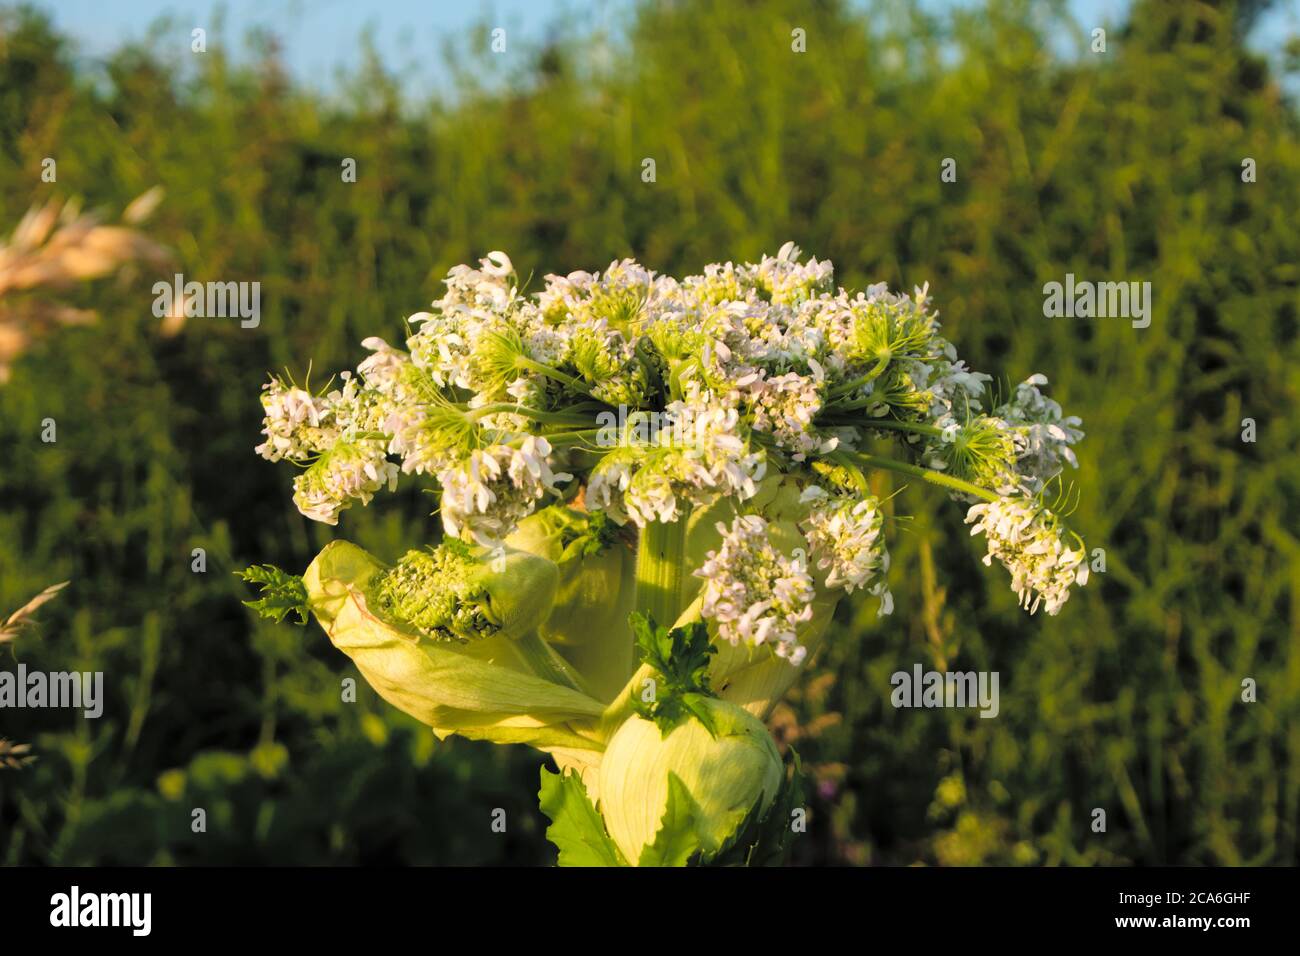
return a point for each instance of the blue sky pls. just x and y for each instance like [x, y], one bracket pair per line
[319, 36]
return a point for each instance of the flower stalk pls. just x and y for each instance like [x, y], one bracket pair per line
[661, 573]
[927, 475]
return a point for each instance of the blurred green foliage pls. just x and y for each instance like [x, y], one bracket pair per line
[1124, 165]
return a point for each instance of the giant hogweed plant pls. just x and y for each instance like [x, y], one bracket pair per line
[653, 494]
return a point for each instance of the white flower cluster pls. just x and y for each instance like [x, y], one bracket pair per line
[1015, 450]
[754, 594]
[846, 538]
[750, 372]
[1026, 538]
[296, 423]
[487, 496]
[1042, 434]
[335, 436]
[785, 405]
[345, 473]
[702, 455]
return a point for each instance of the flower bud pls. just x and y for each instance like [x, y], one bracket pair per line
[454, 592]
[478, 688]
[725, 775]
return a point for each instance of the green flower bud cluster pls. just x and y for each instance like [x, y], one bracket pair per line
[981, 451]
[438, 593]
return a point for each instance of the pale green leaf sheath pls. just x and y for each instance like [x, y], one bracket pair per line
[456, 682]
[680, 777]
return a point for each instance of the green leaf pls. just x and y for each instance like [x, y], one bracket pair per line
[694, 704]
[776, 835]
[282, 593]
[677, 840]
[588, 538]
[576, 828]
[681, 656]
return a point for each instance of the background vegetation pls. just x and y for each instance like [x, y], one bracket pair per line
[1125, 165]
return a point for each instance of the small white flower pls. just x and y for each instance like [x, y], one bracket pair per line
[846, 538]
[497, 264]
[383, 370]
[486, 496]
[754, 594]
[787, 281]
[1025, 537]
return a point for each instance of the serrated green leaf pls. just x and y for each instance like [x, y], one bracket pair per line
[775, 835]
[737, 848]
[677, 840]
[282, 593]
[576, 828]
[681, 656]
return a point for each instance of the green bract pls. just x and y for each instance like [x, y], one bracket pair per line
[482, 689]
[725, 775]
[595, 594]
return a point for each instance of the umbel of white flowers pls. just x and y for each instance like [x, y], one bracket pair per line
[772, 389]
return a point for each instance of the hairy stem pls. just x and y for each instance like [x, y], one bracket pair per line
[925, 474]
[890, 424]
[563, 438]
[546, 418]
[849, 387]
[555, 374]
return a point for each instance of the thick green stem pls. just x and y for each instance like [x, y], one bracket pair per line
[556, 375]
[925, 474]
[622, 706]
[571, 437]
[559, 439]
[661, 570]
